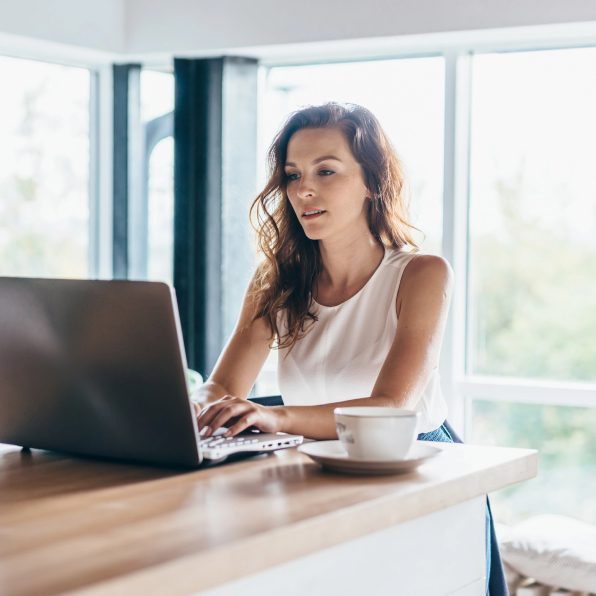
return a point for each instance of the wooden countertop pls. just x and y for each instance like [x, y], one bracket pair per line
[106, 528]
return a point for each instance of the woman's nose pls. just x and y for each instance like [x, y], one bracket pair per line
[305, 188]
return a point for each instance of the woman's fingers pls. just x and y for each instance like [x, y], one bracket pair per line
[222, 412]
[233, 414]
[238, 414]
[242, 424]
[206, 417]
[208, 412]
[227, 412]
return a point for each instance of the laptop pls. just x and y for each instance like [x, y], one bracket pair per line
[98, 368]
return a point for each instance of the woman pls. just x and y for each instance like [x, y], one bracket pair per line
[356, 312]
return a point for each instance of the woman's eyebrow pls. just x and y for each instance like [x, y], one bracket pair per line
[315, 161]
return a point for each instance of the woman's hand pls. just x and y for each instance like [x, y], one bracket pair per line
[239, 414]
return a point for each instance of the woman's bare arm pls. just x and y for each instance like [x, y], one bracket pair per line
[422, 309]
[240, 361]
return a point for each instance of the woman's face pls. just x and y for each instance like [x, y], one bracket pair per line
[325, 184]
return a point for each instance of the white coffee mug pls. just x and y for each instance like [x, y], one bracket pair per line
[369, 433]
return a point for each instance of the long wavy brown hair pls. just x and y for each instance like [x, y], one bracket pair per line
[284, 279]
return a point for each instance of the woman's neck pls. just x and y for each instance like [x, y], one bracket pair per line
[348, 262]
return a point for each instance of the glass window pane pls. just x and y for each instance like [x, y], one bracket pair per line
[157, 99]
[566, 442]
[533, 215]
[407, 97]
[160, 266]
[157, 93]
[44, 169]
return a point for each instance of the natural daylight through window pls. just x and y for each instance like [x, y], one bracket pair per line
[44, 169]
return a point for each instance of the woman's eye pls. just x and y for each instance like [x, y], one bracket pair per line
[291, 176]
[326, 172]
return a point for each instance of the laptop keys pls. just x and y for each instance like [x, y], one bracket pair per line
[227, 442]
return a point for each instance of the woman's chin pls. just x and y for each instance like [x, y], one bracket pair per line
[312, 235]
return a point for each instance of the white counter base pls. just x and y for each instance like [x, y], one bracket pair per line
[437, 554]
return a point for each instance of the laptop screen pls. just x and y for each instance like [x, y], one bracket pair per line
[94, 367]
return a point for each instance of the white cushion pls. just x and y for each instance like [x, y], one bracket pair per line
[554, 550]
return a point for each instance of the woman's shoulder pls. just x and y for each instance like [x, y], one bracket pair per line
[425, 272]
[429, 264]
[415, 259]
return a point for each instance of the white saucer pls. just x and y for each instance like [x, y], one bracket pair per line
[332, 455]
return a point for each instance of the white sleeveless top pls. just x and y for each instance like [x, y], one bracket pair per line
[342, 353]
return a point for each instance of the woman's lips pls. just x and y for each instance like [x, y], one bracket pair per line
[313, 215]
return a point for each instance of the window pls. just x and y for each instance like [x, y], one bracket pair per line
[157, 104]
[406, 95]
[566, 441]
[531, 320]
[161, 212]
[533, 215]
[44, 169]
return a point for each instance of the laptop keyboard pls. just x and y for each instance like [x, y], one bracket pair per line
[218, 446]
[227, 442]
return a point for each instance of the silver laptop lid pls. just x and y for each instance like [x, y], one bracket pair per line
[96, 368]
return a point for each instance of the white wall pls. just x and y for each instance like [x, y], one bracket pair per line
[141, 28]
[186, 26]
[96, 25]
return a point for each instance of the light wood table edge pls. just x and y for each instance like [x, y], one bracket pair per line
[197, 572]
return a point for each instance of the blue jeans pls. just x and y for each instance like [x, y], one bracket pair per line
[495, 576]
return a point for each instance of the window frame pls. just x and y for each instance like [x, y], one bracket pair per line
[460, 387]
[101, 171]
[467, 386]
[98, 248]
